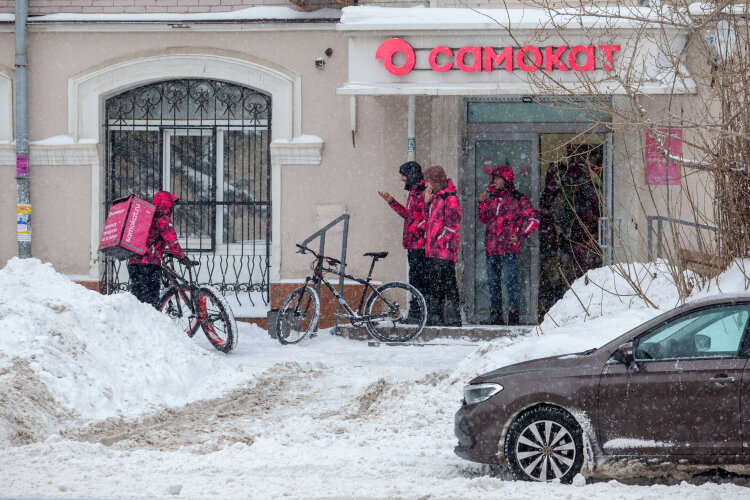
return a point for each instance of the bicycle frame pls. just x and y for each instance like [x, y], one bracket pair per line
[181, 285]
[353, 314]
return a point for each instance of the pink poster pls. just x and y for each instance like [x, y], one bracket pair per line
[659, 171]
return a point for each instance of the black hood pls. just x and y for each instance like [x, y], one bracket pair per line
[413, 172]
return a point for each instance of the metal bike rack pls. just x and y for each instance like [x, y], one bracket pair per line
[321, 233]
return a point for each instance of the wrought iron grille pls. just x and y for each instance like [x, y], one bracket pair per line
[208, 142]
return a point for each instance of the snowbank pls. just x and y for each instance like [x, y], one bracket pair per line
[599, 307]
[97, 356]
[344, 420]
[608, 291]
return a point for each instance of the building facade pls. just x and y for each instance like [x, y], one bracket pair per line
[271, 122]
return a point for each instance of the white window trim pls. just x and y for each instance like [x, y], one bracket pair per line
[88, 90]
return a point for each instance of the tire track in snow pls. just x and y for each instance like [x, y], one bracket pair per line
[208, 425]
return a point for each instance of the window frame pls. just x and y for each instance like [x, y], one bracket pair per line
[744, 345]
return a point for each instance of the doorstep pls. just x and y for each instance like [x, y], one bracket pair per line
[430, 333]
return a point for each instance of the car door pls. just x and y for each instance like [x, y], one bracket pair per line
[681, 395]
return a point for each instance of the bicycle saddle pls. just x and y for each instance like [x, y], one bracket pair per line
[377, 255]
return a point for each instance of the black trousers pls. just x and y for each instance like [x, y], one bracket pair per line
[145, 282]
[443, 307]
[419, 272]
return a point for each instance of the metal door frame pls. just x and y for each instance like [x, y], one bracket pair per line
[521, 131]
[469, 196]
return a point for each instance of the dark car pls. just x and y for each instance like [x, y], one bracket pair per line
[669, 392]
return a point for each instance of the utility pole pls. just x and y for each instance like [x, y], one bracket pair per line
[23, 195]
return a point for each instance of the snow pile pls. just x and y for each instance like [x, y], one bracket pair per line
[96, 355]
[606, 291]
[735, 279]
[600, 306]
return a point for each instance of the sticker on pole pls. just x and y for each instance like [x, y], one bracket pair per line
[24, 222]
[22, 165]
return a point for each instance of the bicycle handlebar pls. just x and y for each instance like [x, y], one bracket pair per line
[303, 249]
[189, 262]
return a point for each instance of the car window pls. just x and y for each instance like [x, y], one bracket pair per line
[713, 332]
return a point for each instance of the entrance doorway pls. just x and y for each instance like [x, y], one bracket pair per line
[564, 168]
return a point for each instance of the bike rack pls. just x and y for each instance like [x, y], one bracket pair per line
[321, 233]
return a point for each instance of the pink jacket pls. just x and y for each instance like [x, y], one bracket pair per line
[443, 221]
[505, 214]
[413, 215]
[162, 234]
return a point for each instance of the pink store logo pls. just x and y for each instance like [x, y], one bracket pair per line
[527, 58]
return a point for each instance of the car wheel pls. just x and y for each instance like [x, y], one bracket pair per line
[544, 444]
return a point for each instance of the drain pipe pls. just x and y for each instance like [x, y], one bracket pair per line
[23, 197]
[410, 127]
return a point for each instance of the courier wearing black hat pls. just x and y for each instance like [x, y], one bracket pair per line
[414, 228]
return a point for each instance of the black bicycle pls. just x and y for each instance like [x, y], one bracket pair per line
[191, 306]
[394, 311]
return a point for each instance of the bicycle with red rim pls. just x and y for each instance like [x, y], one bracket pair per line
[394, 311]
[191, 306]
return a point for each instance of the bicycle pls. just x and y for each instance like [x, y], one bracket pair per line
[191, 306]
[384, 314]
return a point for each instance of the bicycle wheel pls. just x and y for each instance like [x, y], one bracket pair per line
[298, 315]
[173, 305]
[217, 319]
[386, 308]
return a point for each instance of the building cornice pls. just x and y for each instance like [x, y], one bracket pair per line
[52, 155]
[308, 152]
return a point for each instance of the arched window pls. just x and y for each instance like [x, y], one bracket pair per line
[208, 142]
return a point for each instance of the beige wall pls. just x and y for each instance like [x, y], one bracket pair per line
[8, 244]
[349, 175]
[61, 216]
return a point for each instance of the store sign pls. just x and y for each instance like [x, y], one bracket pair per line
[470, 59]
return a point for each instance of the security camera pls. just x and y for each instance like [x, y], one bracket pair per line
[320, 63]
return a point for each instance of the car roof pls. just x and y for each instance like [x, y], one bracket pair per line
[722, 298]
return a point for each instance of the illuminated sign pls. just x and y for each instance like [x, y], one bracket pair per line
[470, 59]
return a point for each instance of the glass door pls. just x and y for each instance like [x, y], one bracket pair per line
[521, 152]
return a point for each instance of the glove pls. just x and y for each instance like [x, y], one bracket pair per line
[186, 262]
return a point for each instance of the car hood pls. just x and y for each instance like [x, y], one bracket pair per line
[534, 365]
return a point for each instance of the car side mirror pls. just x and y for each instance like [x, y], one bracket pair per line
[624, 354]
[702, 343]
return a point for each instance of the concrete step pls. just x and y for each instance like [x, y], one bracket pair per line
[430, 333]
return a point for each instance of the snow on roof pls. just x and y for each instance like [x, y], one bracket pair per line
[276, 13]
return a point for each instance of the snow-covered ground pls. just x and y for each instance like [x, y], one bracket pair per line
[102, 397]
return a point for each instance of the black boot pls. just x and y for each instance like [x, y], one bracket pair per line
[415, 311]
[495, 317]
[435, 313]
[513, 317]
[452, 314]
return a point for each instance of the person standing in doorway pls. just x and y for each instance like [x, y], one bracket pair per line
[441, 247]
[413, 215]
[510, 218]
[145, 270]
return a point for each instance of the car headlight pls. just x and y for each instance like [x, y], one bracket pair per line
[480, 392]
